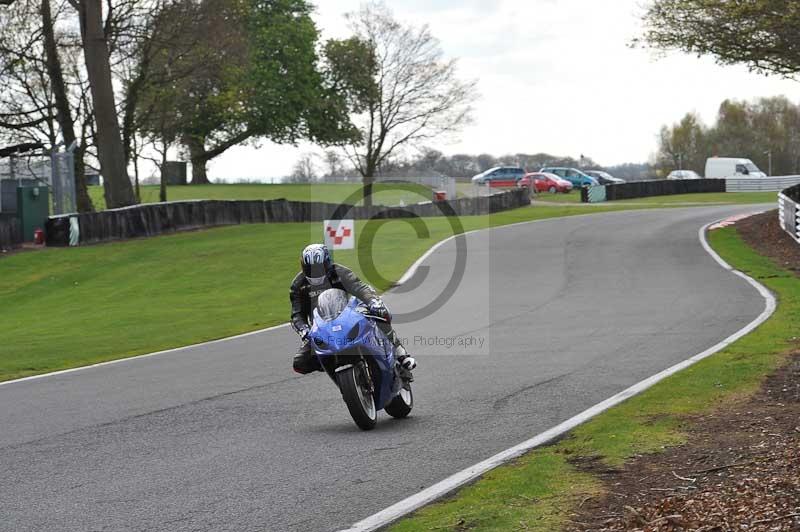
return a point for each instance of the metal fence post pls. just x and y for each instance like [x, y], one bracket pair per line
[62, 169]
[789, 212]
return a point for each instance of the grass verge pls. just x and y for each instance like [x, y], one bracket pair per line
[538, 491]
[63, 308]
[721, 198]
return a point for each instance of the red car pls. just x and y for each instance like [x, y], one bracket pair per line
[544, 182]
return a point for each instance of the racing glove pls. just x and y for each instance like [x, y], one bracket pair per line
[377, 308]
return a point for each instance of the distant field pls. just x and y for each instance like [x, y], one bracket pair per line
[383, 193]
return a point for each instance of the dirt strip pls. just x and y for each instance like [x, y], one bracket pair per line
[740, 469]
[764, 234]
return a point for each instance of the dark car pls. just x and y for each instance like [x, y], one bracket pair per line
[500, 176]
[604, 178]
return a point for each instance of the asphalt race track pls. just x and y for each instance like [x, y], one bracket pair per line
[225, 437]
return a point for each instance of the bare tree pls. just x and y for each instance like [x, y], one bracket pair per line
[26, 101]
[110, 150]
[684, 145]
[43, 90]
[417, 94]
[333, 163]
[304, 171]
[60, 96]
[158, 49]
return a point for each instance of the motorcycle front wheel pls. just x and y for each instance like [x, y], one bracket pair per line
[355, 388]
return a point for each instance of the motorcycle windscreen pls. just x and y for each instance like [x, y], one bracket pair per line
[330, 304]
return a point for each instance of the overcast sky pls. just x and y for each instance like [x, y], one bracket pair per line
[555, 76]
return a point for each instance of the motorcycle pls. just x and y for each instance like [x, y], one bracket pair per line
[359, 358]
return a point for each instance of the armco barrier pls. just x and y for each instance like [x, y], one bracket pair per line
[789, 211]
[10, 232]
[645, 189]
[760, 184]
[159, 218]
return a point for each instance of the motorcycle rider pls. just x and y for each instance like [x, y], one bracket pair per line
[319, 273]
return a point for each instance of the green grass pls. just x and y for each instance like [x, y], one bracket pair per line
[538, 491]
[383, 193]
[709, 197]
[515, 497]
[64, 308]
[736, 198]
[570, 197]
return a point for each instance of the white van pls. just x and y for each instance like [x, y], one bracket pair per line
[725, 167]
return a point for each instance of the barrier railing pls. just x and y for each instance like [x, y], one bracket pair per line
[789, 211]
[645, 189]
[160, 218]
[760, 184]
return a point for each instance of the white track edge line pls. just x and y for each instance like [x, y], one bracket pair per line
[143, 356]
[406, 276]
[438, 490]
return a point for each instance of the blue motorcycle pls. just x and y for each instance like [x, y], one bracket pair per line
[360, 359]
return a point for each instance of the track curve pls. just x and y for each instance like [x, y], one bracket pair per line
[224, 437]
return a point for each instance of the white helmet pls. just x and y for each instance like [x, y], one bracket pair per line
[316, 262]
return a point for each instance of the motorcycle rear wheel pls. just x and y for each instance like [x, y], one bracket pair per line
[403, 402]
[355, 392]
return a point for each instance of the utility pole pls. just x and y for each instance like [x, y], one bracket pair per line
[769, 155]
[680, 161]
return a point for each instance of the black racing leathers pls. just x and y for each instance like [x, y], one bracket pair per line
[304, 295]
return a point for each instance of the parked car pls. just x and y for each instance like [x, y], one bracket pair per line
[499, 176]
[545, 183]
[576, 177]
[725, 167]
[683, 174]
[604, 178]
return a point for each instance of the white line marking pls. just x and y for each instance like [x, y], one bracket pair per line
[406, 276]
[438, 490]
[140, 357]
[409, 273]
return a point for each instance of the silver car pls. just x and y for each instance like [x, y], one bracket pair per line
[683, 174]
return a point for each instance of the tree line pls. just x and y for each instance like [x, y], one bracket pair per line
[431, 162]
[126, 80]
[758, 34]
[762, 130]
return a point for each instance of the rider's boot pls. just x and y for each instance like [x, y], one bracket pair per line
[305, 361]
[405, 363]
